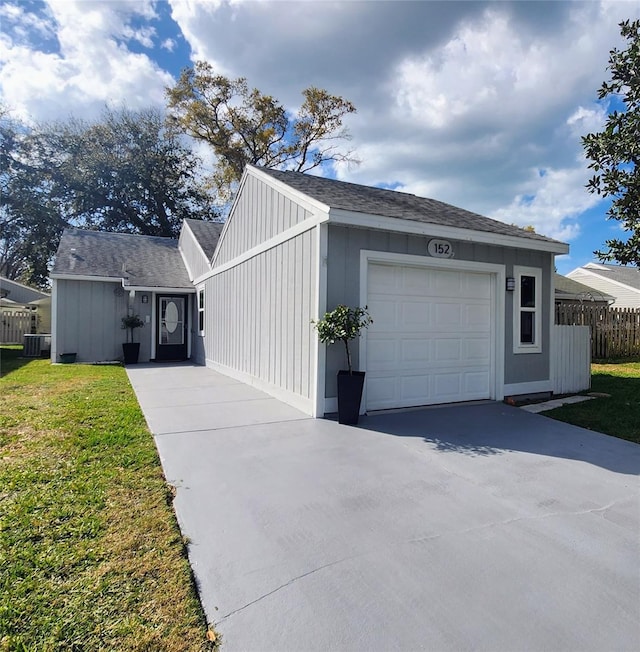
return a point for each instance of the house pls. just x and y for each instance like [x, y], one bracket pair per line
[98, 278]
[21, 303]
[462, 304]
[619, 281]
[570, 292]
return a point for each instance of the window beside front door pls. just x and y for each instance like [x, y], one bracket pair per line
[201, 311]
[527, 310]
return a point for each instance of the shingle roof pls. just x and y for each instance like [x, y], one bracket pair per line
[145, 261]
[207, 234]
[622, 274]
[570, 289]
[391, 203]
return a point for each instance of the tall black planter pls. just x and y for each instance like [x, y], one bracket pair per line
[131, 352]
[349, 396]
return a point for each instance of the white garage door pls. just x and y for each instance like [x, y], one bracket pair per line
[431, 340]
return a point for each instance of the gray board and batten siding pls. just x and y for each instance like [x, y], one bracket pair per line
[343, 286]
[92, 312]
[259, 213]
[259, 307]
[195, 258]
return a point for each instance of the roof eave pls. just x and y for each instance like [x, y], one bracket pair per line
[367, 220]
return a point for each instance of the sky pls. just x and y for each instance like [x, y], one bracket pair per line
[478, 104]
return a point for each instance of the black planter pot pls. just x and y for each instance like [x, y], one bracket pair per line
[349, 396]
[131, 352]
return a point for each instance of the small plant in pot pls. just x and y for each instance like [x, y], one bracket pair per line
[131, 349]
[344, 324]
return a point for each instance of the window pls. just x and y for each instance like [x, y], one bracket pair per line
[527, 310]
[201, 311]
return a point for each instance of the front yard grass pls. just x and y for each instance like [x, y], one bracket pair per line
[91, 557]
[617, 415]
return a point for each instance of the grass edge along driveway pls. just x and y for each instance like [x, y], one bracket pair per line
[91, 556]
[617, 414]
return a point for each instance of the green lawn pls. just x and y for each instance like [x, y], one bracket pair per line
[91, 557]
[617, 415]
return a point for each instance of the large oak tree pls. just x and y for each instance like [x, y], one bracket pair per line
[126, 172]
[243, 125]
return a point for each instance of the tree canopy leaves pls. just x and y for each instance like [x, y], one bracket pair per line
[614, 152]
[126, 172]
[244, 125]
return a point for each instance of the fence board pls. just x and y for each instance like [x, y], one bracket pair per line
[571, 360]
[615, 332]
[15, 323]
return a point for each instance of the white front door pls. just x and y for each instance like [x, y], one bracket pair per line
[432, 338]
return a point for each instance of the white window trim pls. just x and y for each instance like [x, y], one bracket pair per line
[536, 347]
[201, 309]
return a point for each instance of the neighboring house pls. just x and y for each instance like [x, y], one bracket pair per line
[462, 305]
[570, 292]
[15, 296]
[619, 281]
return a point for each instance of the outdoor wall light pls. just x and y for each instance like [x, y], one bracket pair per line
[145, 298]
[511, 284]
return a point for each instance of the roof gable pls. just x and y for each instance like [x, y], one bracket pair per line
[141, 260]
[207, 234]
[625, 274]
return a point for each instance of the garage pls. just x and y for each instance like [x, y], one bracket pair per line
[433, 336]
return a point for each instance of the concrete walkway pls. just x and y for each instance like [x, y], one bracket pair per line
[478, 527]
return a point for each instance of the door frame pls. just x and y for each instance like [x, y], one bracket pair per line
[155, 321]
[498, 276]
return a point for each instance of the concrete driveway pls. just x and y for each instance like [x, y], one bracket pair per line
[477, 527]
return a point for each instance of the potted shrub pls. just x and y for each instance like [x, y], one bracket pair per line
[130, 348]
[344, 324]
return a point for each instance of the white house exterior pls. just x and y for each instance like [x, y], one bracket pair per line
[621, 282]
[434, 277]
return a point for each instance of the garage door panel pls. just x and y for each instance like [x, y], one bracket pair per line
[478, 316]
[385, 278]
[383, 355]
[478, 350]
[447, 315]
[447, 349]
[414, 315]
[385, 311]
[413, 389]
[477, 285]
[415, 351]
[431, 338]
[476, 384]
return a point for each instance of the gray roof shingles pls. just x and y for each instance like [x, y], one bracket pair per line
[207, 234]
[568, 288]
[391, 203]
[622, 274]
[145, 261]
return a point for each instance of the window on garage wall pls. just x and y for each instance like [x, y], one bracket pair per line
[527, 310]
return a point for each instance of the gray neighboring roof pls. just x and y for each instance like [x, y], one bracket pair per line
[20, 293]
[622, 274]
[567, 288]
[143, 260]
[391, 203]
[207, 234]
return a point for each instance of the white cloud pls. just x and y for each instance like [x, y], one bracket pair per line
[550, 201]
[93, 66]
[168, 44]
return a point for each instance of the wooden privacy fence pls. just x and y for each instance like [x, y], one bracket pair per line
[615, 332]
[571, 359]
[15, 323]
